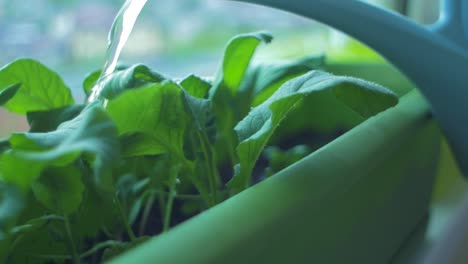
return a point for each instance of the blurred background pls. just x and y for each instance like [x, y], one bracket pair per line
[174, 37]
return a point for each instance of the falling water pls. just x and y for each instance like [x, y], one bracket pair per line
[118, 36]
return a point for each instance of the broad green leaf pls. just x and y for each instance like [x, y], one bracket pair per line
[156, 113]
[237, 57]
[45, 121]
[8, 93]
[256, 128]
[271, 77]
[60, 189]
[196, 86]
[133, 77]
[91, 135]
[41, 88]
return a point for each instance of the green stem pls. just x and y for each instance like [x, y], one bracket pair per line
[193, 197]
[170, 198]
[128, 228]
[96, 248]
[212, 175]
[146, 213]
[75, 256]
[107, 232]
[196, 182]
[168, 213]
[162, 205]
[231, 149]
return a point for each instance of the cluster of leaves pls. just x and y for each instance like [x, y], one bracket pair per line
[90, 180]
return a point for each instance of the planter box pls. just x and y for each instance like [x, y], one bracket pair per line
[355, 200]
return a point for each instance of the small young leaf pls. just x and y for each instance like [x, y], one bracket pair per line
[8, 93]
[257, 127]
[237, 57]
[196, 86]
[41, 88]
[60, 189]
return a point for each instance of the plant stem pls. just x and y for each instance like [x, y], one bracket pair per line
[231, 149]
[75, 256]
[212, 173]
[146, 213]
[162, 205]
[128, 228]
[170, 198]
[192, 197]
[196, 182]
[100, 246]
[168, 213]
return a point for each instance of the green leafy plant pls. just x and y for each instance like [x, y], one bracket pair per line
[89, 181]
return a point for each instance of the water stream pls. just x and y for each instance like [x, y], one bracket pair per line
[118, 36]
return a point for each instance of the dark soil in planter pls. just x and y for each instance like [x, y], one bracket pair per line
[310, 139]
